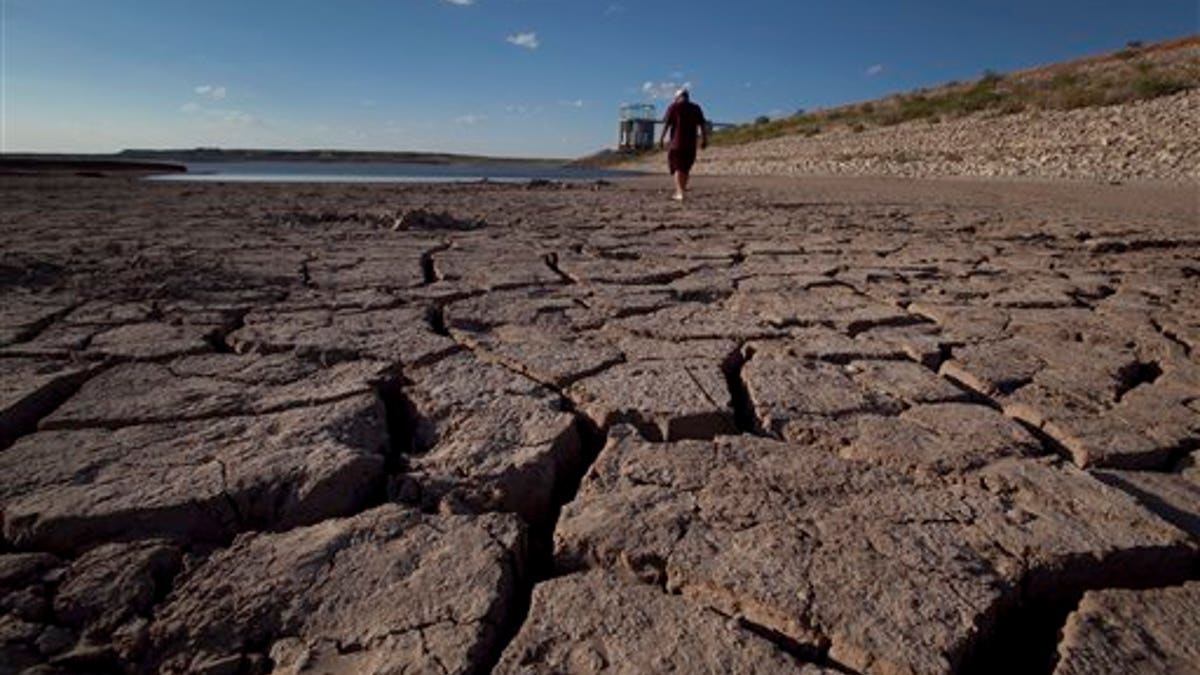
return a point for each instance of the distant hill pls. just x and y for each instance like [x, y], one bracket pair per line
[79, 165]
[338, 156]
[1136, 72]
[126, 158]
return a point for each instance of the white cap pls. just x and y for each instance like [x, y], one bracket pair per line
[682, 91]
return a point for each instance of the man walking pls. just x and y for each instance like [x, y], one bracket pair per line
[684, 121]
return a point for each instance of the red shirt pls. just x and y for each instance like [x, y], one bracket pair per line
[683, 118]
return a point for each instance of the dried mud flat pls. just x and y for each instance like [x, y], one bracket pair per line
[818, 425]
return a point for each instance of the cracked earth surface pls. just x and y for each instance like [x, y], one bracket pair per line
[813, 426]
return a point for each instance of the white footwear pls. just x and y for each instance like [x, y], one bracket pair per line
[678, 196]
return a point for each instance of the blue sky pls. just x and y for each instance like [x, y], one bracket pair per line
[502, 77]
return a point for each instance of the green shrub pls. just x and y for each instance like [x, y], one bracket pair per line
[1152, 86]
[993, 93]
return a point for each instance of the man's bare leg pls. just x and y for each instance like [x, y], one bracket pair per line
[680, 185]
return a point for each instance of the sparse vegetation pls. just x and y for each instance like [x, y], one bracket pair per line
[1131, 74]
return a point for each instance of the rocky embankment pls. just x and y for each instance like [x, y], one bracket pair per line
[1158, 139]
[819, 426]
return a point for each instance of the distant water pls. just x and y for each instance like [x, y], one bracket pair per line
[379, 172]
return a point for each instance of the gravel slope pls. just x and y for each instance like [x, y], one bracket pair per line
[1157, 139]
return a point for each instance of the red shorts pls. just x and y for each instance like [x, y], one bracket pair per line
[681, 159]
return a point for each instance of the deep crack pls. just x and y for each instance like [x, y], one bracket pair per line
[22, 417]
[1022, 634]
[744, 417]
[429, 273]
[1134, 375]
[551, 260]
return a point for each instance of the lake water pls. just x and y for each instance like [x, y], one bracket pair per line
[379, 172]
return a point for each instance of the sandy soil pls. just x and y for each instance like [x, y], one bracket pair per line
[820, 424]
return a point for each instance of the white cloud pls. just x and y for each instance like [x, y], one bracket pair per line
[190, 107]
[461, 3]
[664, 91]
[470, 119]
[875, 70]
[577, 103]
[614, 8]
[527, 40]
[211, 91]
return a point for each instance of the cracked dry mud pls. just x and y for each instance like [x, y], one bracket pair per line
[813, 426]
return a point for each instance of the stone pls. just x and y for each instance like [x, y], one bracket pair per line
[112, 583]
[27, 313]
[665, 400]
[151, 340]
[18, 570]
[792, 396]
[906, 381]
[1133, 631]
[596, 622]
[14, 630]
[30, 389]
[554, 360]
[940, 438]
[387, 590]
[509, 267]
[833, 306]
[831, 346]
[886, 574]
[637, 348]
[694, 321]
[552, 311]
[54, 640]
[1174, 497]
[211, 386]
[201, 481]
[994, 368]
[483, 438]
[401, 335]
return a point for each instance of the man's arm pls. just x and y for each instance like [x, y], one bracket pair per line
[703, 131]
[667, 124]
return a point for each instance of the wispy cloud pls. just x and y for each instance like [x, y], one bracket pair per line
[614, 9]
[577, 103]
[469, 120]
[663, 91]
[524, 109]
[460, 3]
[875, 70]
[210, 91]
[226, 116]
[527, 40]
